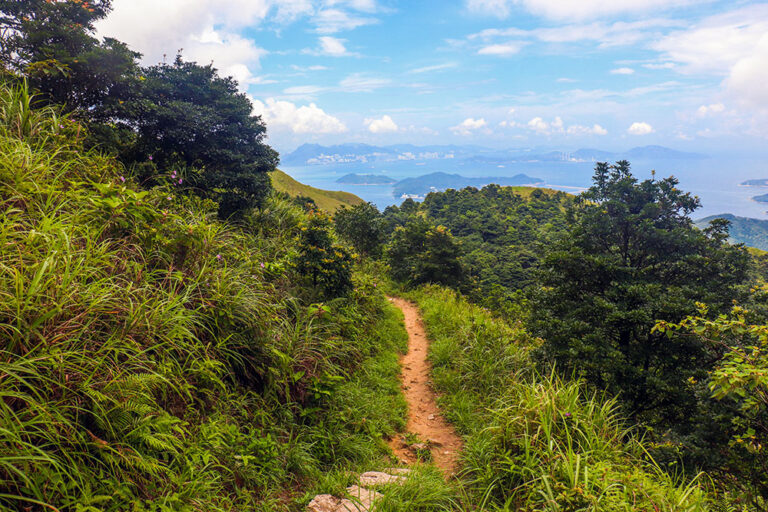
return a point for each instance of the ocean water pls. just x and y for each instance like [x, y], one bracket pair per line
[714, 180]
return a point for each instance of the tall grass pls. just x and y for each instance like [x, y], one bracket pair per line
[154, 358]
[536, 442]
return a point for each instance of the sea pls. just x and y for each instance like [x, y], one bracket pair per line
[716, 181]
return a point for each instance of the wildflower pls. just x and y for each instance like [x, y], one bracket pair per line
[169, 198]
[61, 126]
[150, 158]
[218, 257]
[122, 179]
[262, 265]
[180, 180]
[567, 415]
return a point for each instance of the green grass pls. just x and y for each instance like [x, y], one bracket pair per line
[535, 442]
[156, 359]
[327, 200]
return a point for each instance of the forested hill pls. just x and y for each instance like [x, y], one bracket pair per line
[502, 232]
[742, 230]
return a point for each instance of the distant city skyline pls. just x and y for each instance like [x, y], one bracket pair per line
[500, 73]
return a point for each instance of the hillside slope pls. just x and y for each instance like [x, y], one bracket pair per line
[743, 230]
[328, 200]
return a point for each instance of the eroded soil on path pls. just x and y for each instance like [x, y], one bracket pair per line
[424, 418]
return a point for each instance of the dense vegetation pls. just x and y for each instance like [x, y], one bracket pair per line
[155, 356]
[742, 230]
[176, 335]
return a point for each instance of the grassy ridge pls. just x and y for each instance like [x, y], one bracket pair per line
[157, 359]
[533, 442]
[328, 200]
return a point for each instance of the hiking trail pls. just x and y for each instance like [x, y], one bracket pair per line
[431, 431]
[424, 418]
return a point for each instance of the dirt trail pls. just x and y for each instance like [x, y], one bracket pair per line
[424, 418]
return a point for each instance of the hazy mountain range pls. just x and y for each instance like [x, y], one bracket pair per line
[315, 154]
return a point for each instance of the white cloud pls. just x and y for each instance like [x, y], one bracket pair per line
[623, 71]
[468, 126]
[383, 125]
[706, 110]
[578, 129]
[566, 80]
[718, 43]
[160, 29]
[640, 128]
[538, 125]
[332, 47]
[571, 9]
[328, 46]
[501, 50]
[330, 21]
[436, 67]
[359, 82]
[749, 76]
[284, 115]
[508, 124]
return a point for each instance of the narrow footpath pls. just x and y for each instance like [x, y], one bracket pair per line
[424, 418]
[426, 430]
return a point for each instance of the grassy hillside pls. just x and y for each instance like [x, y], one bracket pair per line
[154, 358]
[534, 442]
[328, 200]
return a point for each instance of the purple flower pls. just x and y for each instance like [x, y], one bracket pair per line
[150, 158]
[169, 198]
[122, 179]
[218, 257]
[262, 265]
[61, 126]
[567, 415]
[180, 181]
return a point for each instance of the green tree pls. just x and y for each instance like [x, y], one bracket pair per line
[326, 265]
[734, 395]
[51, 44]
[362, 226]
[421, 253]
[191, 118]
[630, 257]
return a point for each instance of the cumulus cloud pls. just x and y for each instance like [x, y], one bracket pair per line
[559, 9]
[501, 50]
[706, 110]
[383, 125]
[284, 115]
[748, 77]
[578, 129]
[640, 128]
[623, 71]
[468, 126]
[207, 31]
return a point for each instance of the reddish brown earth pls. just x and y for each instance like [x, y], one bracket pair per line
[424, 418]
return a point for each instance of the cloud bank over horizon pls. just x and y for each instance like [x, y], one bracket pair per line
[500, 73]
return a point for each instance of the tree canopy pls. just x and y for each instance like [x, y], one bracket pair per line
[630, 257]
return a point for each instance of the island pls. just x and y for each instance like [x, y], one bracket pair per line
[365, 179]
[755, 183]
[763, 198]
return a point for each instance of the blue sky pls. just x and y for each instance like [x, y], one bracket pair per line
[502, 73]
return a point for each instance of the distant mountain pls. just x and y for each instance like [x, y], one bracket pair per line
[366, 179]
[315, 154]
[659, 152]
[439, 181]
[743, 230]
[763, 198]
